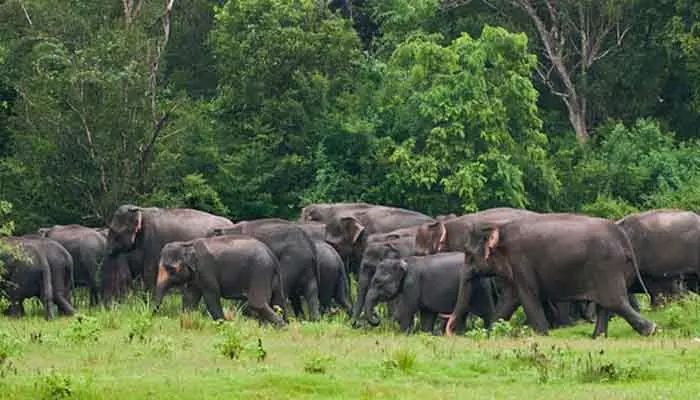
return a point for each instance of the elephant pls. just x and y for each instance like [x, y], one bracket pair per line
[296, 253]
[235, 267]
[446, 217]
[665, 242]
[556, 257]
[87, 246]
[347, 232]
[428, 284]
[118, 272]
[315, 230]
[37, 267]
[325, 212]
[334, 284]
[373, 256]
[451, 234]
[149, 229]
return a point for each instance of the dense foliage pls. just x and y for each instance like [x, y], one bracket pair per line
[253, 108]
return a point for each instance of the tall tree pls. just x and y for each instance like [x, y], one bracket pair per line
[573, 35]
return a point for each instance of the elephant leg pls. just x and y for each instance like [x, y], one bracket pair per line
[640, 324]
[534, 312]
[312, 299]
[601, 325]
[589, 311]
[633, 301]
[342, 295]
[563, 313]
[267, 314]
[213, 302]
[279, 301]
[427, 321]
[508, 304]
[297, 308]
[191, 297]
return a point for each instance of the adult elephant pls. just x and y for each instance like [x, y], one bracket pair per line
[665, 242]
[348, 232]
[237, 267]
[425, 284]
[87, 246]
[37, 267]
[334, 285]
[451, 234]
[146, 230]
[558, 257]
[296, 253]
[325, 212]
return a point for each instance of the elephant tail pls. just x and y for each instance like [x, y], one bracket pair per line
[633, 258]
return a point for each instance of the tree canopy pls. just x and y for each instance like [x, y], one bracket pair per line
[255, 108]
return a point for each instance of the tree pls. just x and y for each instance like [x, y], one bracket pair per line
[462, 120]
[573, 35]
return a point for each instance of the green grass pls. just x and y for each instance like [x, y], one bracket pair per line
[125, 353]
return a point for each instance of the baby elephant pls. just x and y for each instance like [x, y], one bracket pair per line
[428, 284]
[235, 267]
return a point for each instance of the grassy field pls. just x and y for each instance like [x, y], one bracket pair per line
[126, 353]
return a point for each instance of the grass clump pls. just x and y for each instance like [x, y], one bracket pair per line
[318, 363]
[140, 328]
[231, 345]
[402, 359]
[83, 329]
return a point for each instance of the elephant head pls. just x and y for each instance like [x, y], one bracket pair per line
[115, 277]
[480, 258]
[345, 234]
[431, 238]
[44, 232]
[386, 282]
[126, 225]
[177, 266]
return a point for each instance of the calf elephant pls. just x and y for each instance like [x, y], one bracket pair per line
[373, 256]
[87, 246]
[147, 230]
[231, 266]
[666, 245]
[37, 267]
[556, 257]
[296, 253]
[428, 285]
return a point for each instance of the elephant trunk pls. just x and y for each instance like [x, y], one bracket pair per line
[161, 290]
[370, 303]
[464, 294]
[362, 286]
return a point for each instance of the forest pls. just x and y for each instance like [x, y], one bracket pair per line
[255, 108]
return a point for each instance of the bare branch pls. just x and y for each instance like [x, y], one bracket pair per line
[26, 14]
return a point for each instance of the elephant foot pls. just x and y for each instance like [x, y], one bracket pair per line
[651, 329]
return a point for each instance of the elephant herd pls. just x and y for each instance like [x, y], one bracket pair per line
[559, 267]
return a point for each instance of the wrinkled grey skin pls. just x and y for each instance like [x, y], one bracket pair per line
[556, 257]
[451, 234]
[118, 273]
[334, 284]
[446, 217]
[325, 212]
[87, 247]
[234, 267]
[159, 226]
[666, 245]
[348, 232]
[296, 253]
[373, 256]
[44, 269]
[428, 285]
[315, 230]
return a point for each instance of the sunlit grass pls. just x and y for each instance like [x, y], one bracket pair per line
[126, 352]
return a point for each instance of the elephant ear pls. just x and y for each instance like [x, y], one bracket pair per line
[491, 241]
[352, 228]
[189, 256]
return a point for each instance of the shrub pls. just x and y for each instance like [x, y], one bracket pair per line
[83, 329]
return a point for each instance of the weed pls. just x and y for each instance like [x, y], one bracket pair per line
[84, 329]
[193, 320]
[55, 386]
[140, 327]
[8, 347]
[36, 337]
[260, 352]
[110, 320]
[402, 359]
[317, 363]
[231, 346]
[594, 369]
